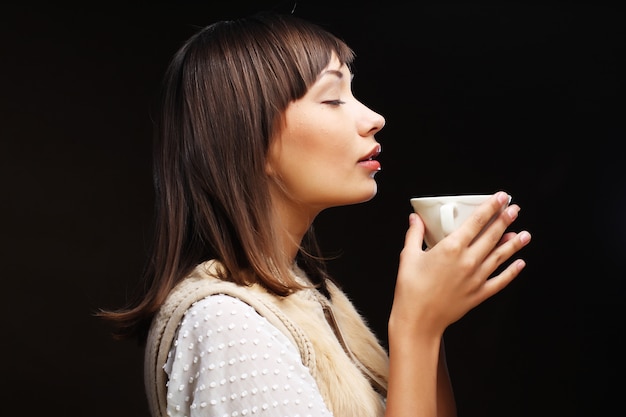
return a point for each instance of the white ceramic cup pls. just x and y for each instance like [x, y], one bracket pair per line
[444, 214]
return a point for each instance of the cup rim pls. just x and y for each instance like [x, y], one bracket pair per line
[466, 198]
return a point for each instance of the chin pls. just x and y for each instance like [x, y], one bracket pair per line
[355, 195]
[370, 195]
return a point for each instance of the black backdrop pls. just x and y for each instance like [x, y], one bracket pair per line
[478, 97]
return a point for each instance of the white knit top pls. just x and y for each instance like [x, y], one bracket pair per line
[228, 361]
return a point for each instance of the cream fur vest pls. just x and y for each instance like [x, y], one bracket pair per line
[336, 345]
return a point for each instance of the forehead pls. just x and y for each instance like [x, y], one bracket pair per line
[334, 72]
[335, 65]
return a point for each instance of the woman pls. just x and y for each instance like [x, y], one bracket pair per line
[259, 132]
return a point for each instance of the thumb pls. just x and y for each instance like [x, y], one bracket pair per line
[414, 237]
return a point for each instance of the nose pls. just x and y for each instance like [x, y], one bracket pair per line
[371, 122]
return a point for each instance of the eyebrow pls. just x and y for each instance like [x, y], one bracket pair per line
[336, 73]
[333, 72]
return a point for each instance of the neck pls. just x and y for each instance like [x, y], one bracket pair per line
[291, 230]
[291, 222]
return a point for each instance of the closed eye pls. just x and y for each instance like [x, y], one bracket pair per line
[334, 102]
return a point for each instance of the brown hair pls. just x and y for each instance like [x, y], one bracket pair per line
[223, 96]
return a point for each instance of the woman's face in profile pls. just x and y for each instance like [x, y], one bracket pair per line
[324, 154]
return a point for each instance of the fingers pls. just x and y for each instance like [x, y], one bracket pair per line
[486, 226]
[506, 237]
[494, 234]
[491, 243]
[494, 285]
[500, 281]
[484, 216]
[507, 249]
[513, 244]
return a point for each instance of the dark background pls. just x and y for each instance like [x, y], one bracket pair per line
[478, 97]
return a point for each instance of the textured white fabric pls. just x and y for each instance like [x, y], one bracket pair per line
[228, 361]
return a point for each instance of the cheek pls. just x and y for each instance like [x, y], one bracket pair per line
[314, 142]
[326, 153]
[323, 136]
[309, 160]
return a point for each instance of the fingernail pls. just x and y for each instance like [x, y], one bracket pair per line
[502, 197]
[512, 212]
[524, 237]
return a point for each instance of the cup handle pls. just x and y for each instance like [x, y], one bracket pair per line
[447, 212]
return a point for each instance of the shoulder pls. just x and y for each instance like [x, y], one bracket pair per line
[221, 314]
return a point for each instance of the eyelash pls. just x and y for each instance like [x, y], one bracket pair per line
[334, 102]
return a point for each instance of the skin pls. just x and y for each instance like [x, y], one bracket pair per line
[319, 160]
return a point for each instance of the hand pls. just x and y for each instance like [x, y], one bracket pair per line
[437, 287]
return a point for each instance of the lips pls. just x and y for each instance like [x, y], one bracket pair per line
[372, 155]
[370, 163]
